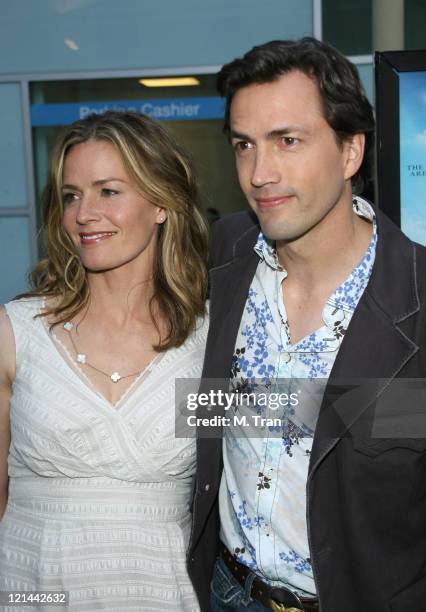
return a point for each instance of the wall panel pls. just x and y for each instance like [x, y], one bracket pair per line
[12, 153]
[64, 35]
[15, 256]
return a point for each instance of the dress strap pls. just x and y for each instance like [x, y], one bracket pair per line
[22, 315]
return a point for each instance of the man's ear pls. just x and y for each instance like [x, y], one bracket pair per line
[354, 154]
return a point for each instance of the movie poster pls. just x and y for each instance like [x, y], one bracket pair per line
[412, 105]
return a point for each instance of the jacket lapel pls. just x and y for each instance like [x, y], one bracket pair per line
[374, 349]
[372, 353]
[229, 284]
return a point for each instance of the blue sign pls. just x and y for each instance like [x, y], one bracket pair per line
[173, 109]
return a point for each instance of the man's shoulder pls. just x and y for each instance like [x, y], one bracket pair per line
[235, 223]
[405, 242]
[401, 259]
[229, 232]
[420, 263]
[421, 253]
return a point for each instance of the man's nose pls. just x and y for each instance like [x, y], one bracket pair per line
[266, 168]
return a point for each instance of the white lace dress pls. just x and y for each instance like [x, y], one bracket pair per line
[99, 496]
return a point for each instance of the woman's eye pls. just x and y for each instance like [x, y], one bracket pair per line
[107, 193]
[69, 197]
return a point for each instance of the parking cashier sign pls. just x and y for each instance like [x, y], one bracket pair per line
[173, 109]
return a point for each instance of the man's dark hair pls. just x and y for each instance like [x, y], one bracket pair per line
[346, 107]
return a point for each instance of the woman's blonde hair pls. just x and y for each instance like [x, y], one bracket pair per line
[164, 174]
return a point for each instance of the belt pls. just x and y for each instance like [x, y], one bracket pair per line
[278, 599]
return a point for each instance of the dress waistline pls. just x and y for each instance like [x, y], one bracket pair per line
[106, 498]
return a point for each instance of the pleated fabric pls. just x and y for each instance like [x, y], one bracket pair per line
[99, 495]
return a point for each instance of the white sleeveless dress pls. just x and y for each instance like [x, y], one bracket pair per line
[99, 495]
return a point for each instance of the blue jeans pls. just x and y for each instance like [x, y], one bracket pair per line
[227, 593]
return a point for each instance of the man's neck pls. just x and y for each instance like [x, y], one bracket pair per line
[325, 256]
[316, 265]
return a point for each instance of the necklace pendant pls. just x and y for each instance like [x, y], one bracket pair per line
[81, 358]
[115, 377]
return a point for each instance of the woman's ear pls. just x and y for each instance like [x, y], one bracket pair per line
[161, 215]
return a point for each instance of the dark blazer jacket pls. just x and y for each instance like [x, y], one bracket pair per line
[366, 497]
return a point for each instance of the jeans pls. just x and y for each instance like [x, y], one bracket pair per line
[227, 593]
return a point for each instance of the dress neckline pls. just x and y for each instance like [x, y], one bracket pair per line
[65, 357]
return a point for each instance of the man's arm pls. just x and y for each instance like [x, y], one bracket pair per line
[7, 373]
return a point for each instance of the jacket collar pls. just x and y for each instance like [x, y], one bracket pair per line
[393, 282]
[229, 284]
[244, 245]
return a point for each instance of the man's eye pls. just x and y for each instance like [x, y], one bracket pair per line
[242, 146]
[69, 197]
[288, 141]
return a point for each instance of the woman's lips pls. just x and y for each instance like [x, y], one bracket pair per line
[94, 237]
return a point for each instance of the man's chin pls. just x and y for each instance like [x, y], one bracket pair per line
[276, 233]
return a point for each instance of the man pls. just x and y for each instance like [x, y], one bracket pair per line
[316, 285]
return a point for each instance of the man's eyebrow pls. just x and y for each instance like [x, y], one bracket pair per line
[284, 131]
[239, 135]
[281, 131]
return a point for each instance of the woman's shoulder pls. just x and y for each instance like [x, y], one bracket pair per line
[22, 312]
[30, 305]
[4, 320]
[7, 342]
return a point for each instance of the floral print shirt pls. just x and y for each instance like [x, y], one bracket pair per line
[262, 496]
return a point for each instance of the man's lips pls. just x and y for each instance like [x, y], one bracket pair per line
[94, 237]
[273, 201]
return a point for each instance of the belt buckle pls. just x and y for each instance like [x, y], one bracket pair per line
[279, 607]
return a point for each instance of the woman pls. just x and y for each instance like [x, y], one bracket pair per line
[98, 497]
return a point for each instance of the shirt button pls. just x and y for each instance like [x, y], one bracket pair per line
[206, 487]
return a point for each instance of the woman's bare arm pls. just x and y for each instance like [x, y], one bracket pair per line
[7, 374]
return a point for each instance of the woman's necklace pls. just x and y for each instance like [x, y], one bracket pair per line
[82, 358]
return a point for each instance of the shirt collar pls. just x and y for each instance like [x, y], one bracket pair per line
[266, 250]
[349, 293]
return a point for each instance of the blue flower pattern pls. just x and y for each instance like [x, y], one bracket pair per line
[255, 522]
[300, 565]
